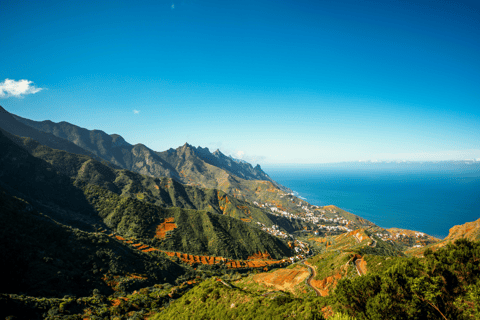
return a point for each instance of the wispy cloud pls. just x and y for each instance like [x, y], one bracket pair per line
[17, 89]
[173, 6]
[431, 156]
[252, 159]
[136, 111]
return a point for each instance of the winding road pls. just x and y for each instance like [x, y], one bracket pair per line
[312, 274]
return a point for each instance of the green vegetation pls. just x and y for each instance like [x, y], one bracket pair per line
[443, 285]
[135, 305]
[337, 253]
[41, 257]
[197, 232]
[215, 300]
[164, 192]
[63, 258]
[190, 166]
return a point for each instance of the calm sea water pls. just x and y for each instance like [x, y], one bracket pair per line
[430, 201]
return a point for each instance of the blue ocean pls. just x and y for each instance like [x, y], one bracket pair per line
[426, 199]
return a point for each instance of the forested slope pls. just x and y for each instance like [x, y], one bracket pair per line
[78, 202]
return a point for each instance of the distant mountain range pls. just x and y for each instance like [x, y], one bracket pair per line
[139, 158]
[445, 164]
[86, 214]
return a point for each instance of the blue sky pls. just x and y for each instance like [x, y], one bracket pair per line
[272, 82]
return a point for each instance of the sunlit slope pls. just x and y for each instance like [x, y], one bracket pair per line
[203, 166]
[165, 192]
[197, 232]
[469, 230]
[222, 300]
[192, 166]
[88, 206]
[348, 255]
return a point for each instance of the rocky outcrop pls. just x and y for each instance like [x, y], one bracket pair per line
[469, 230]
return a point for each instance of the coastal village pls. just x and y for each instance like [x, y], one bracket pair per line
[327, 220]
[308, 213]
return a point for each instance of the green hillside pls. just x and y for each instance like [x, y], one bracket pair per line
[164, 192]
[221, 300]
[82, 204]
[200, 168]
[197, 232]
[41, 257]
[443, 285]
[10, 124]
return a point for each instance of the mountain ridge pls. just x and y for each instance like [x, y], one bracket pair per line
[141, 159]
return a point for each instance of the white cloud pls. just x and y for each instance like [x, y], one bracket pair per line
[12, 88]
[136, 111]
[173, 6]
[248, 158]
[431, 156]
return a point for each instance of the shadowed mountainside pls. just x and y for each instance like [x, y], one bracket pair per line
[188, 165]
[141, 159]
[9, 123]
[164, 192]
[42, 257]
[82, 204]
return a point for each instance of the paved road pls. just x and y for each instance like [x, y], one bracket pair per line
[312, 274]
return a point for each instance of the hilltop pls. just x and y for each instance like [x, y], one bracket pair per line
[97, 227]
[196, 167]
[469, 230]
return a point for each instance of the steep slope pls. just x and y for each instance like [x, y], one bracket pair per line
[469, 230]
[196, 232]
[164, 192]
[348, 255]
[241, 169]
[112, 148]
[88, 206]
[41, 257]
[197, 167]
[141, 159]
[13, 126]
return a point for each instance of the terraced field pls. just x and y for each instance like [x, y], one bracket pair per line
[259, 260]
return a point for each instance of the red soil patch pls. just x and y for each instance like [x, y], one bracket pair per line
[283, 279]
[327, 284]
[260, 255]
[137, 276]
[244, 209]
[231, 264]
[163, 228]
[361, 265]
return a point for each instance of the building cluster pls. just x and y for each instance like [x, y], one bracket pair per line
[275, 231]
[400, 236]
[316, 216]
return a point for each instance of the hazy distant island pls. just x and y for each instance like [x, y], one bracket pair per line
[94, 227]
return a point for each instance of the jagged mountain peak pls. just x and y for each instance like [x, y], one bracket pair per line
[218, 153]
[118, 140]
